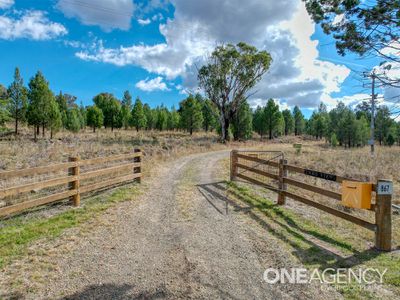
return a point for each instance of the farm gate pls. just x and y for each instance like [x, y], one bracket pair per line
[270, 170]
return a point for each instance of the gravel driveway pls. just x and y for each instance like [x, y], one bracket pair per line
[176, 242]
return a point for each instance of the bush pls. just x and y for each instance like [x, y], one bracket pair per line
[334, 141]
[390, 140]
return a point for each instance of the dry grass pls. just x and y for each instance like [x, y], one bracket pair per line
[23, 152]
[353, 163]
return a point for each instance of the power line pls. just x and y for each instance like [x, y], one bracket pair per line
[105, 9]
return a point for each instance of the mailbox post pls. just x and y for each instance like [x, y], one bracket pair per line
[383, 215]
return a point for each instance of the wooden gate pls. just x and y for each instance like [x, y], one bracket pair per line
[271, 170]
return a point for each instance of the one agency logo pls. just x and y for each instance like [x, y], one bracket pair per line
[330, 275]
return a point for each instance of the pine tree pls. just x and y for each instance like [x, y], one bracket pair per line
[258, 121]
[173, 119]
[73, 122]
[382, 123]
[4, 114]
[111, 108]
[271, 117]
[289, 121]
[127, 100]
[191, 114]
[161, 117]
[243, 122]
[150, 117]
[138, 119]
[55, 120]
[317, 125]
[63, 107]
[82, 116]
[95, 117]
[126, 107]
[298, 121]
[40, 98]
[18, 100]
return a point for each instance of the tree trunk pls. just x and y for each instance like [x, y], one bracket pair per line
[37, 130]
[94, 128]
[34, 133]
[226, 130]
[51, 133]
[236, 135]
[16, 125]
[43, 130]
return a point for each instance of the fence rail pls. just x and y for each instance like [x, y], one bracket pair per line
[382, 206]
[73, 178]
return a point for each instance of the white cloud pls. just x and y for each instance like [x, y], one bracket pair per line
[4, 4]
[157, 17]
[108, 14]
[74, 44]
[296, 77]
[151, 5]
[150, 85]
[392, 50]
[31, 25]
[144, 22]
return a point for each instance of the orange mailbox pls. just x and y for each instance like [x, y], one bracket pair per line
[356, 194]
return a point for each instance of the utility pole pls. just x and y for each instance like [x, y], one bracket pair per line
[373, 114]
[372, 139]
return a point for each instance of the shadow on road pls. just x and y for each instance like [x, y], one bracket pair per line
[115, 291]
[127, 291]
[321, 249]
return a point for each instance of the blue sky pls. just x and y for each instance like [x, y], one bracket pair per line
[152, 48]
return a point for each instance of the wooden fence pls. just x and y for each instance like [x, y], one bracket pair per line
[382, 206]
[93, 177]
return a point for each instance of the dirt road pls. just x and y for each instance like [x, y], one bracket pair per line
[176, 242]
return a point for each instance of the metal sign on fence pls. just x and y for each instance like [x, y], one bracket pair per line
[322, 175]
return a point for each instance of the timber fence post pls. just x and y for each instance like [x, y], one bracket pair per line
[138, 169]
[282, 186]
[234, 161]
[74, 185]
[383, 215]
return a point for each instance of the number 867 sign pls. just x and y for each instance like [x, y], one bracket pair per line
[384, 188]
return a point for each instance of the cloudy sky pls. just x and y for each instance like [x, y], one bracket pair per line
[153, 48]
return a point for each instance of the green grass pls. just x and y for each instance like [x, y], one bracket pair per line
[299, 236]
[18, 233]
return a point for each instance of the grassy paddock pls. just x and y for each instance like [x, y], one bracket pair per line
[18, 233]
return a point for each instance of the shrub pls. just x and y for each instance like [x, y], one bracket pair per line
[334, 141]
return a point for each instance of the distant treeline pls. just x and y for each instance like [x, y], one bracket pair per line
[37, 106]
[342, 125]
